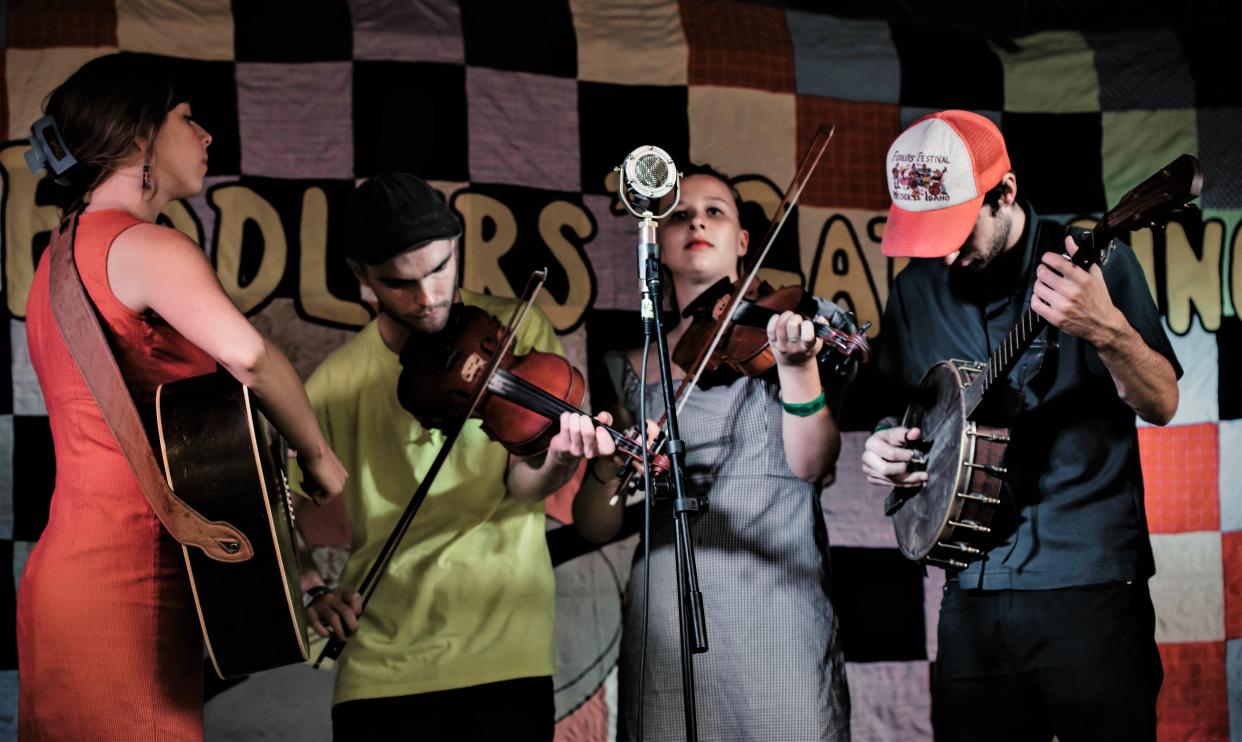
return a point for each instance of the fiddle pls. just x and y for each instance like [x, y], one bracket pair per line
[524, 399]
[744, 347]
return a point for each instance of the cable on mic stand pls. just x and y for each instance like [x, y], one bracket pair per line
[648, 173]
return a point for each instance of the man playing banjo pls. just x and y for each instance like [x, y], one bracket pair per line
[1050, 629]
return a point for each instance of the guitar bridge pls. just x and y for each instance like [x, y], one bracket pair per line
[284, 491]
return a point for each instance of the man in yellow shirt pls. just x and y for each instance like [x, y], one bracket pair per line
[457, 639]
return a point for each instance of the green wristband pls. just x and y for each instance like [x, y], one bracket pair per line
[805, 409]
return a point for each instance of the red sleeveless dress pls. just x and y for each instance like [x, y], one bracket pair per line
[107, 636]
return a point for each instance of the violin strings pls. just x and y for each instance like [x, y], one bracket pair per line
[516, 389]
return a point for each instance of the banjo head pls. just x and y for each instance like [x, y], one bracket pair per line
[939, 410]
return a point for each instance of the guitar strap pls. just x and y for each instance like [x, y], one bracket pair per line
[79, 326]
[1032, 360]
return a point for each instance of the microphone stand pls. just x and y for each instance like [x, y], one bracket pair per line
[690, 614]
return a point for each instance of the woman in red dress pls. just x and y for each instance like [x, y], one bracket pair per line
[108, 641]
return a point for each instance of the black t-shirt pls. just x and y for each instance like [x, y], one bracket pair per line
[1075, 512]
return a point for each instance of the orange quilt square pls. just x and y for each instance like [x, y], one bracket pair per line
[1231, 556]
[1181, 477]
[851, 175]
[739, 44]
[1193, 702]
[37, 24]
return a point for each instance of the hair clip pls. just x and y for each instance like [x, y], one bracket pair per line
[49, 152]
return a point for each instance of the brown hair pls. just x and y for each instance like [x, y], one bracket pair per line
[101, 110]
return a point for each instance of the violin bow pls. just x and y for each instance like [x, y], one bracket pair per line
[336, 644]
[810, 161]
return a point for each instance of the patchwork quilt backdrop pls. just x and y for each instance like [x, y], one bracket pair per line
[519, 112]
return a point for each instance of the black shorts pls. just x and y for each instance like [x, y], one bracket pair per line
[521, 710]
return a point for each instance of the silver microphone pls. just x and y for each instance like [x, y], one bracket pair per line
[648, 174]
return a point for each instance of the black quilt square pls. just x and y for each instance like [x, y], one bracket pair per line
[533, 36]
[878, 596]
[292, 31]
[530, 250]
[608, 329]
[8, 609]
[410, 116]
[941, 68]
[34, 475]
[613, 120]
[1229, 355]
[1211, 53]
[1056, 157]
[212, 87]
[286, 197]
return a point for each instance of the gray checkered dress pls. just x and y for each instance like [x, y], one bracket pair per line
[774, 670]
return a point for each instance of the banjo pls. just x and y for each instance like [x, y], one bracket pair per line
[947, 521]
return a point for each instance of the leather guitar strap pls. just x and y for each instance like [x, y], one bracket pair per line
[79, 326]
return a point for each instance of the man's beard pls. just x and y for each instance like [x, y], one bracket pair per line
[1000, 239]
[418, 323]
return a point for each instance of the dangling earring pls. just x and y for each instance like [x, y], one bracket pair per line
[146, 175]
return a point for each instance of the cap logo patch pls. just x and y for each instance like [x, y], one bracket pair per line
[919, 177]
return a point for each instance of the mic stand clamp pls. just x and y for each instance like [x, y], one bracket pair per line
[661, 488]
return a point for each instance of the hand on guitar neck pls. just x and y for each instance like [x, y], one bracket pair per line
[893, 457]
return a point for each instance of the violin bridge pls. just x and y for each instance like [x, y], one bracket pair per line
[960, 547]
[471, 367]
[979, 498]
[970, 525]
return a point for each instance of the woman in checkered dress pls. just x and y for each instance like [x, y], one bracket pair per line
[759, 449]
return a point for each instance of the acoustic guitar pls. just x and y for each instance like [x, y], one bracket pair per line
[947, 521]
[223, 458]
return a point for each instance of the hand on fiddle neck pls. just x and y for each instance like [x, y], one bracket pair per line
[535, 477]
[811, 438]
[792, 340]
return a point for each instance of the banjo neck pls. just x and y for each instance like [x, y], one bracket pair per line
[1002, 360]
